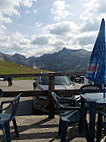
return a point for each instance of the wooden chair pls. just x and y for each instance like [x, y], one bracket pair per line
[5, 118]
[100, 124]
[67, 118]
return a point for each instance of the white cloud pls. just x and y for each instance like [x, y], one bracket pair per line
[4, 19]
[38, 24]
[83, 41]
[9, 7]
[2, 31]
[52, 37]
[40, 40]
[62, 28]
[59, 10]
[89, 26]
[27, 12]
[22, 39]
[28, 3]
[74, 36]
[94, 10]
[38, 51]
[15, 43]
[34, 11]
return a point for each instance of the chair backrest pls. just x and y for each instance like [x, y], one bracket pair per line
[58, 105]
[1, 93]
[90, 89]
[14, 104]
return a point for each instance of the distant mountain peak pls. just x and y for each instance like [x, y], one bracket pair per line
[64, 48]
[66, 60]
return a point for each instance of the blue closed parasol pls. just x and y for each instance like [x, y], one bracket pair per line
[97, 65]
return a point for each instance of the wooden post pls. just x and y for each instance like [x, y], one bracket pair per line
[51, 104]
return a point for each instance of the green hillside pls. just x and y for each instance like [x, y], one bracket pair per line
[13, 68]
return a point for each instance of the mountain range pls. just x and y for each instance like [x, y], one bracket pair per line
[65, 60]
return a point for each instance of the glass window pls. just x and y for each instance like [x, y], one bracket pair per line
[62, 80]
[59, 80]
[44, 80]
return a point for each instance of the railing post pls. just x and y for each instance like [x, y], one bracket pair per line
[51, 88]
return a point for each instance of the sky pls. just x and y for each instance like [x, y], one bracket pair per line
[37, 27]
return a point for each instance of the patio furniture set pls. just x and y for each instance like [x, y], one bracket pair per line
[91, 100]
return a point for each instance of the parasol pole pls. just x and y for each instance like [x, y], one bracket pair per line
[103, 90]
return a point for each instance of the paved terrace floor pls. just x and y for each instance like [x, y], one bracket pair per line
[38, 128]
[41, 129]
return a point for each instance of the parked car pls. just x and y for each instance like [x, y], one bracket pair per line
[42, 83]
[61, 82]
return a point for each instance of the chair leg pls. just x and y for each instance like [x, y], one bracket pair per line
[6, 131]
[80, 127]
[85, 112]
[86, 130]
[80, 124]
[59, 129]
[99, 128]
[15, 127]
[63, 131]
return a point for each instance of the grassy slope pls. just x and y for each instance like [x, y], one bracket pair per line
[13, 68]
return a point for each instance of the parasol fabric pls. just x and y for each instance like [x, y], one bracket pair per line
[97, 65]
